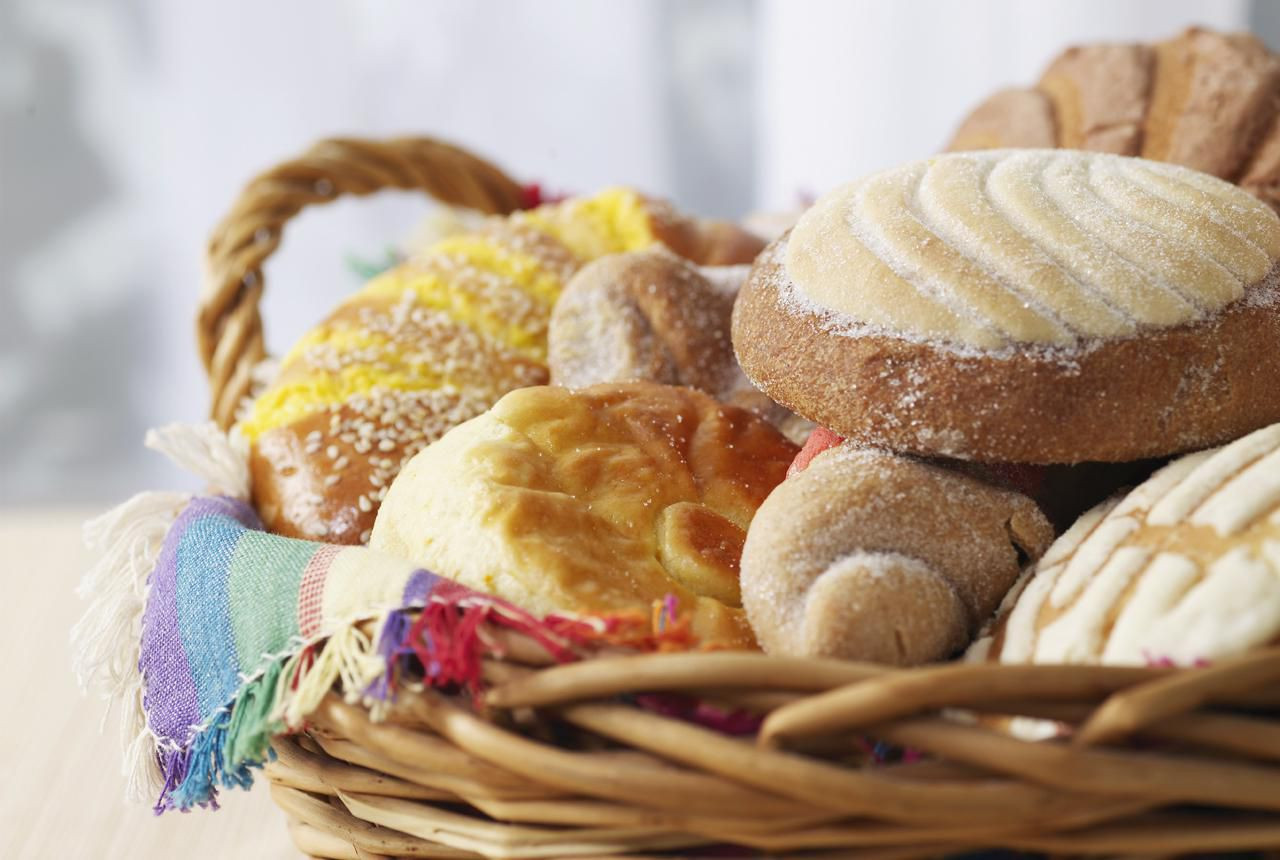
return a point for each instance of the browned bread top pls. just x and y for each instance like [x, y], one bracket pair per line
[1203, 99]
[600, 499]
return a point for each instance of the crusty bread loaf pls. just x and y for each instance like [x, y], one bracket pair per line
[1030, 306]
[1186, 568]
[1206, 100]
[651, 316]
[1099, 97]
[867, 555]
[599, 499]
[430, 344]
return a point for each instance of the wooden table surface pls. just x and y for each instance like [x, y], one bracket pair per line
[62, 792]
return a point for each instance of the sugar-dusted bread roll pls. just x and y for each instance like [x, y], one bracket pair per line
[599, 499]
[1030, 306]
[432, 343]
[647, 315]
[654, 317]
[867, 555]
[1183, 569]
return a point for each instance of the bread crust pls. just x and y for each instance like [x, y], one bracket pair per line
[1213, 97]
[1009, 117]
[1155, 394]
[1100, 95]
[1202, 99]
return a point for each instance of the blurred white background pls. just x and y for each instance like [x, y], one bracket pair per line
[126, 128]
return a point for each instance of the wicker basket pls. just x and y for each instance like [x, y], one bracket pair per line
[605, 756]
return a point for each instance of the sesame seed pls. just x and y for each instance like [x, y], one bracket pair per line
[331, 452]
[330, 480]
[342, 462]
[364, 504]
[386, 445]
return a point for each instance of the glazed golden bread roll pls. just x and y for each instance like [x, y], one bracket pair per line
[1206, 100]
[868, 555]
[1023, 306]
[600, 499]
[1185, 568]
[652, 316]
[431, 343]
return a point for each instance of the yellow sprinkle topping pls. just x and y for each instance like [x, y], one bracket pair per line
[493, 307]
[282, 405]
[612, 222]
[521, 269]
[498, 295]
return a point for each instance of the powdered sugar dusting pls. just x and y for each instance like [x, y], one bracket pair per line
[1054, 249]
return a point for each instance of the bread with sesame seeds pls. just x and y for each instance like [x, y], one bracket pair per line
[599, 499]
[1023, 306]
[430, 344]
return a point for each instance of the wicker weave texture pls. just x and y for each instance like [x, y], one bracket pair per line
[562, 761]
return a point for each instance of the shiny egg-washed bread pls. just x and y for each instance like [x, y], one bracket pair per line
[1031, 306]
[1184, 569]
[652, 316]
[431, 343]
[602, 499]
[868, 555]
[1206, 100]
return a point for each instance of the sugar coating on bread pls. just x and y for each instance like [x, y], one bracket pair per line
[600, 499]
[988, 251]
[869, 555]
[1183, 569]
[651, 316]
[646, 315]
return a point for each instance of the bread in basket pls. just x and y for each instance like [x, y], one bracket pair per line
[452, 724]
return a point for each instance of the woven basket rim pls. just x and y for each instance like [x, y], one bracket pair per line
[1156, 758]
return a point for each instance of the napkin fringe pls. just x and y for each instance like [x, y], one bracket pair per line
[106, 641]
[440, 644]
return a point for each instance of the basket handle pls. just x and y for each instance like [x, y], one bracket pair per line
[229, 325]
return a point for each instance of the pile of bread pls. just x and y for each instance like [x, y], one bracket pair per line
[597, 404]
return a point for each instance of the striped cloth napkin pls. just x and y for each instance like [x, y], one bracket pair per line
[214, 635]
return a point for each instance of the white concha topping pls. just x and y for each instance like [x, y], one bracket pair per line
[987, 250]
[1186, 568]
